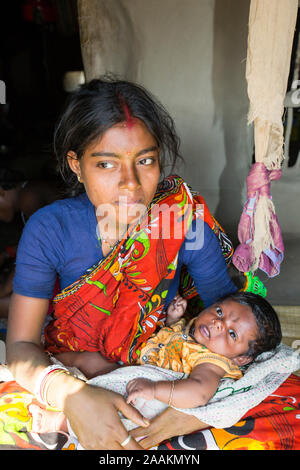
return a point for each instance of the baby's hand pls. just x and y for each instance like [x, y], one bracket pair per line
[142, 388]
[176, 309]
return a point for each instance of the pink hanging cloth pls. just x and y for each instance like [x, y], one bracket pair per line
[258, 185]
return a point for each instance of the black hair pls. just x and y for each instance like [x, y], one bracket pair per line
[98, 105]
[268, 324]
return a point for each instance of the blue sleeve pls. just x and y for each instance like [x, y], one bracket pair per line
[206, 264]
[38, 256]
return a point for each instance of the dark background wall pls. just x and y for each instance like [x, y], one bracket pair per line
[39, 42]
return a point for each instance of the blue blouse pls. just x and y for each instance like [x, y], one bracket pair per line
[61, 239]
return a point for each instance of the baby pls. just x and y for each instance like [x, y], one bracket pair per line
[217, 343]
[221, 339]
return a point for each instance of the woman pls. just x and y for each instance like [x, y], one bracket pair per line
[112, 143]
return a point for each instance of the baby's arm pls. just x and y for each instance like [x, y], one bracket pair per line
[176, 310]
[192, 392]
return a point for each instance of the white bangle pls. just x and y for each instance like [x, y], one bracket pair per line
[41, 380]
[125, 442]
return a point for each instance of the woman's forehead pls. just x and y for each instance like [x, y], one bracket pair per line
[121, 136]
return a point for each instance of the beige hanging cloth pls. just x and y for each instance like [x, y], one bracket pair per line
[107, 38]
[270, 39]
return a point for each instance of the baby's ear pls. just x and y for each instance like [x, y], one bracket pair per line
[242, 360]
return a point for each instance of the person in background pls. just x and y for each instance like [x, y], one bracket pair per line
[22, 198]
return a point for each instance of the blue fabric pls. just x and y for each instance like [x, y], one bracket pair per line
[61, 239]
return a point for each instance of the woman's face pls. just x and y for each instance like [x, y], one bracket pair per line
[120, 172]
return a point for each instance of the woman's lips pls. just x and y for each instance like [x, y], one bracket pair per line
[128, 202]
[204, 331]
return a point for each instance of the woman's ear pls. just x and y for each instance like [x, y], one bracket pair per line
[242, 360]
[73, 162]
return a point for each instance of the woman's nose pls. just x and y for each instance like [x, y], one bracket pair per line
[129, 179]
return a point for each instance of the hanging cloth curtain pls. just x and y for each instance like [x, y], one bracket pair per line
[270, 39]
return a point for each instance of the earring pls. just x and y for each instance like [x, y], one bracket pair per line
[79, 178]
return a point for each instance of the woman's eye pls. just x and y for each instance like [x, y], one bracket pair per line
[232, 334]
[219, 312]
[105, 165]
[146, 161]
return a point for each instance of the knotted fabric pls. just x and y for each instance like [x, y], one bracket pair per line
[259, 232]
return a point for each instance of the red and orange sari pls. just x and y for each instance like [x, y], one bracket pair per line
[118, 303]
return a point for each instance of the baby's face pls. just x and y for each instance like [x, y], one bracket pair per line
[226, 329]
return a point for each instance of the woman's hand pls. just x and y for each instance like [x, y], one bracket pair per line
[168, 424]
[93, 416]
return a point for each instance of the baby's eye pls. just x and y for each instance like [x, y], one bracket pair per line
[219, 312]
[232, 334]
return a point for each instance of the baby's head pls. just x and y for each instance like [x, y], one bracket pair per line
[240, 327]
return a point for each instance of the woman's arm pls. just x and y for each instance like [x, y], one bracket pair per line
[85, 406]
[207, 266]
[26, 358]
